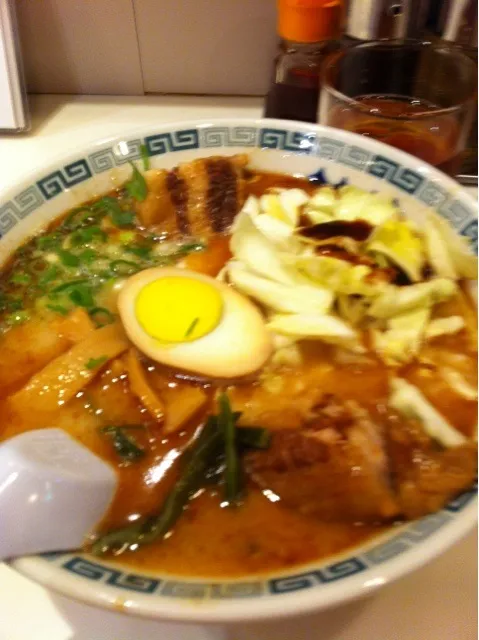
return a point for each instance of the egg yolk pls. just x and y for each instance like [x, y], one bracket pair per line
[177, 309]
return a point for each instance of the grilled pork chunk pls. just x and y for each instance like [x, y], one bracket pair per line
[196, 198]
[344, 467]
[335, 468]
[426, 477]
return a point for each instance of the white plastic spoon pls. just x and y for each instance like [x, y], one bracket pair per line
[53, 491]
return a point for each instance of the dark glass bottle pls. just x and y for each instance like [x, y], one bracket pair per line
[309, 31]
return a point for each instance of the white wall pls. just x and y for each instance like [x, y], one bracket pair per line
[136, 46]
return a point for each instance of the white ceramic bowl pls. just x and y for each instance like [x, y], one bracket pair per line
[288, 147]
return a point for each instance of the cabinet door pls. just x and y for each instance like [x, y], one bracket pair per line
[80, 46]
[206, 46]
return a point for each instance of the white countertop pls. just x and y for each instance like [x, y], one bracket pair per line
[438, 602]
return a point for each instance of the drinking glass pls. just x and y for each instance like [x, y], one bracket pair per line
[417, 96]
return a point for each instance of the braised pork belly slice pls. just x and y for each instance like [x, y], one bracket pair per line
[335, 468]
[196, 198]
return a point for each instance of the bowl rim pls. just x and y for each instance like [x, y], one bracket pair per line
[288, 604]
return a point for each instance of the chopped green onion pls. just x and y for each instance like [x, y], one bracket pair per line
[49, 274]
[125, 237]
[77, 218]
[136, 186]
[17, 317]
[58, 308]
[122, 218]
[145, 156]
[48, 241]
[81, 295]
[101, 316]
[65, 286]
[68, 258]
[94, 363]
[191, 328]
[20, 278]
[88, 234]
[10, 303]
[125, 445]
[141, 252]
[88, 256]
[124, 267]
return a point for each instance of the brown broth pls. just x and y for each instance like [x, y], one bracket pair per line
[260, 536]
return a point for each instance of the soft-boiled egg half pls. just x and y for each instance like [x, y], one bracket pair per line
[192, 322]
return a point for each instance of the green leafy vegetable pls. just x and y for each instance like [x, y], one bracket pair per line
[253, 437]
[94, 363]
[199, 457]
[203, 462]
[145, 156]
[124, 444]
[232, 476]
[136, 186]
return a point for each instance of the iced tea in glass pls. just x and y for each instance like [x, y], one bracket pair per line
[416, 96]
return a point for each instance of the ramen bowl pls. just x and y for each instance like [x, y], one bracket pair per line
[277, 146]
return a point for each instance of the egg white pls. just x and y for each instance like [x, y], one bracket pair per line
[239, 345]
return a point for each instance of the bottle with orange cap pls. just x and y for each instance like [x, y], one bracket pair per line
[309, 31]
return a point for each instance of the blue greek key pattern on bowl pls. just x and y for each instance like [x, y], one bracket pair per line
[455, 213]
[470, 231]
[111, 157]
[405, 179]
[411, 535]
[354, 157]
[297, 142]
[174, 141]
[329, 148]
[229, 137]
[432, 195]
[71, 175]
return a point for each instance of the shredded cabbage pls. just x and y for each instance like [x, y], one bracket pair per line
[249, 246]
[409, 401]
[310, 295]
[357, 204]
[448, 252]
[278, 296]
[396, 240]
[396, 300]
[327, 327]
[458, 383]
[444, 326]
[402, 340]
